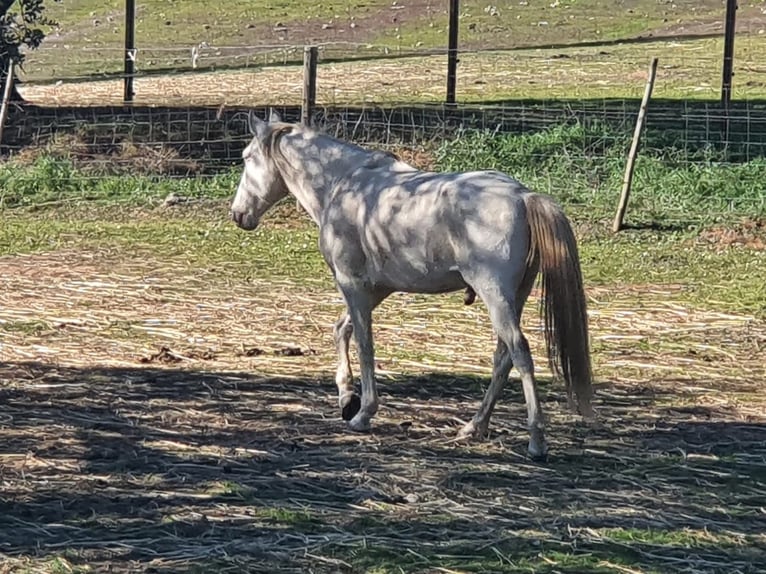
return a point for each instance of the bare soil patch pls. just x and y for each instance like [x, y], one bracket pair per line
[149, 422]
[750, 234]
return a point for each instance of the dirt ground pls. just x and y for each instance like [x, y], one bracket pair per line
[154, 424]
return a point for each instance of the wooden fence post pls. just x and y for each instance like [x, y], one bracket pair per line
[310, 58]
[628, 180]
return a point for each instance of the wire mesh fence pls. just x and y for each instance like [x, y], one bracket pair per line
[192, 92]
[168, 36]
[520, 90]
[693, 165]
[243, 75]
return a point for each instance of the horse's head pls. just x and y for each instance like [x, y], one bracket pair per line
[261, 184]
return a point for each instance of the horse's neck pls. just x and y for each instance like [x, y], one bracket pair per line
[315, 169]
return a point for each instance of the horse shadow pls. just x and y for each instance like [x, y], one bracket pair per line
[170, 469]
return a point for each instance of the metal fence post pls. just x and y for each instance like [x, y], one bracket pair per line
[130, 49]
[310, 57]
[454, 12]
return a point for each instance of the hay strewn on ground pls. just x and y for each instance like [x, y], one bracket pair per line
[152, 419]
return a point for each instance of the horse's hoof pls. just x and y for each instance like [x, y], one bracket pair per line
[472, 431]
[350, 405]
[537, 454]
[359, 424]
[470, 296]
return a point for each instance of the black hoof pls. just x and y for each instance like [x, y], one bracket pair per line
[350, 406]
[537, 457]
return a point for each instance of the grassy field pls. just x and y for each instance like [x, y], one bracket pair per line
[687, 70]
[166, 380]
[410, 24]
[166, 394]
[586, 48]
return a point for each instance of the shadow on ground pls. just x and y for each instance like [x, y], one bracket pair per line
[163, 470]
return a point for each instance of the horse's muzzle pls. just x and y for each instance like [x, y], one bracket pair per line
[246, 221]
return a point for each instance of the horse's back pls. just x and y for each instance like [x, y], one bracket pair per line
[399, 198]
[414, 230]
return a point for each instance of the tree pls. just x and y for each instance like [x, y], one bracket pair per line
[22, 25]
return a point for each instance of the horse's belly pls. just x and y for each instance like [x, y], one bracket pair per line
[417, 258]
[428, 282]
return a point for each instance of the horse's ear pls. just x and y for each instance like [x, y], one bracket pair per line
[255, 123]
[274, 117]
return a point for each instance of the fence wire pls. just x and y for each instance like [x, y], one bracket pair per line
[188, 115]
[353, 74]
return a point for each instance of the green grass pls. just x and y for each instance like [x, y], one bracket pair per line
[280, 515]
[658, 537]
[51, 179]
[606, 550]
[92, 33]
[584, 166]
[205, 239]
[540, 24]
[180, 24]
[677, 193]
[25, 327]
[163, 23]
[734, 280]
[497, 558]
[581, 165]
[49, 565]
[290, 252]
[172, 23]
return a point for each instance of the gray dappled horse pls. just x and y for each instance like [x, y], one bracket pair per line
[385, 226]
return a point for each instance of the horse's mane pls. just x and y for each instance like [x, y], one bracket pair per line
[270, 142]
[379, 158]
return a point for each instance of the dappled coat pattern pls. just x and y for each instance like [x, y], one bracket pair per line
[385, 226]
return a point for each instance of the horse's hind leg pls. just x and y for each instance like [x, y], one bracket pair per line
[347, 400]
[502, 364]
[512, 349]
[479, 425]
[506, 321]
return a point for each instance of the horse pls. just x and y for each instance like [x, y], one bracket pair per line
[385, 227]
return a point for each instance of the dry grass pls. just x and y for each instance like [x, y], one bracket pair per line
[689, 69]
[222, 453]
[96, 298]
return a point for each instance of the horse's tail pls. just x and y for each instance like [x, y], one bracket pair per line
[563, 306]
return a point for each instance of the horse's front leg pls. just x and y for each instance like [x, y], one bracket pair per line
[348, 400]
[360, 303]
